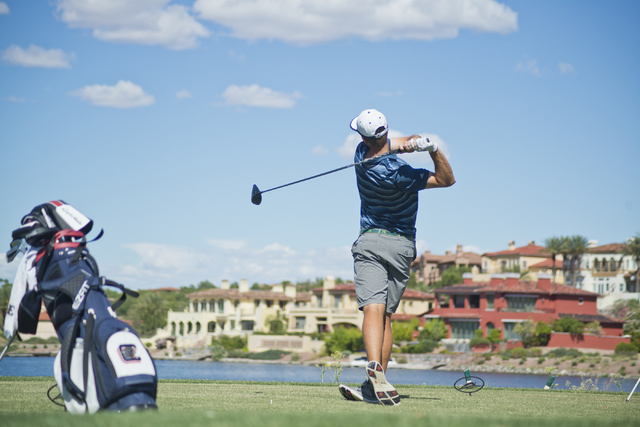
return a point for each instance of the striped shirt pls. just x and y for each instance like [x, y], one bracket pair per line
[388, 193]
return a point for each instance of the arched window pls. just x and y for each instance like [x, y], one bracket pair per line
[181, 328]
[173, 328]
[490, 327]
[189, 327]
[211, 327]
[197, 327]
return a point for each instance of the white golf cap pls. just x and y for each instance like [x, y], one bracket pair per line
[369, 122]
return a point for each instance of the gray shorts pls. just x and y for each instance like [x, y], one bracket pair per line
[382, 268]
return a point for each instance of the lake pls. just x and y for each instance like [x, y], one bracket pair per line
[179, 369]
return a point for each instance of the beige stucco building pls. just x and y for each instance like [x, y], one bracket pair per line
[243, 311]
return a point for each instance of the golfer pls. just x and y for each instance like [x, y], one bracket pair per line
[385, 249]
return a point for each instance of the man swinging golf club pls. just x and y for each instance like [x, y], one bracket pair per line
[385, 249]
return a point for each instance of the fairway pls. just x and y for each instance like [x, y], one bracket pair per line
[184, 403]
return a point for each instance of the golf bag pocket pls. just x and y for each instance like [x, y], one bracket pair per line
[123, 366]
[29, 312]
[74, 406]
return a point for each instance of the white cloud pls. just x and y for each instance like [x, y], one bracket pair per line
[4, 9]
[162, 265]
[319, 150]
[123, 95]
[149, 22]
[320, 21]
[566, 68]
[35, 56]
[256, 96]
[184, 94]
[529, 66]
[348, 148]
[16, 99]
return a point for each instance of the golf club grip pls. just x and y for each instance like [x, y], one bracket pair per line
[335, 170]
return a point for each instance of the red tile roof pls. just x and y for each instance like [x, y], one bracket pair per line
[521, 288]
[546, 264]
[612, 248]
[236, 294]
[529, 250]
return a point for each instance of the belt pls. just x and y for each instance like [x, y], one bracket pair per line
[387, 232]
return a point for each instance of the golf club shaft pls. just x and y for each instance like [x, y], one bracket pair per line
[7, 346]
[335, 170]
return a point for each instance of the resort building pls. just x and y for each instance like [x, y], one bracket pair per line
[243, 311]
[428, 267]
[505, 301]
[532, 258]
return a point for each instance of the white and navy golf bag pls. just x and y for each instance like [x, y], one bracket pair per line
[102, 364]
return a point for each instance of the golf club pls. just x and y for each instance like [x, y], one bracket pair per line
[256, 194]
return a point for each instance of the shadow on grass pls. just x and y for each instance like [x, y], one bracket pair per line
[408, 396]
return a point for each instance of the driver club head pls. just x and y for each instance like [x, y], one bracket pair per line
[256, 195]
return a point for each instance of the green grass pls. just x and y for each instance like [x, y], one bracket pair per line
[183, 403]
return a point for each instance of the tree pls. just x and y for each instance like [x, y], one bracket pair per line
[568, 324]
[205, 284]
[344, 339]
[434, 330]
[5, 294]
[234, 285]
[451, 276]
[494, 336]
[577, 247]
[541, 334]
[554, 247]
[632, 248]
[148, 313]
[526, 330]
[403, 331]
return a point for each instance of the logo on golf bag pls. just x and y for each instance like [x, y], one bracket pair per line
[80, 296]
[129, 353]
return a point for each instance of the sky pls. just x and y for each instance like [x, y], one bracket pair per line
[155, 118]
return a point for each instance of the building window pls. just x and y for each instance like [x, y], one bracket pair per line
[173, 328]
[212, 306]
[232, 324]
[524, 265]
[490, 327]
[246, 325]
[203, 306]
[211, 327]
[464, 330]
[195, 307]
[621, 287]
[580, 301]
[236, 303]
[474, 301]
[521, 303]
[189, 327]
[320, 301]
[509, 334]
[300, 322]
[181, 328]
[337, 299]
[221, 306]
[490, 301]
[198, 327]
[283, 304]
[458, 301]
[257, 303]
[269, 303]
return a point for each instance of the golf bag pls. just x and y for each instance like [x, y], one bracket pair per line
[102, 364]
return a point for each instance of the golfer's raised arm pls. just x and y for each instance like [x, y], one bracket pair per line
[443, 176]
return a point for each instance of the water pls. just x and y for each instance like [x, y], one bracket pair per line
[175, 369]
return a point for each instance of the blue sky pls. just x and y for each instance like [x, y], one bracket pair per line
[155, 118]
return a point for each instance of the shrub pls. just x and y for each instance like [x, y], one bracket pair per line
[148, 344]
[403, 361]
[295, 357]
[625, 348]
[434, 330]
[568, 324]
[541, 334]
[570, 353]
[517, 353]
[494, 336]
[474, 342]
[535, 352]
[268, 355]
[424, 346]
[541, 360]
[230, 343]
[217, 351]
[344, 339]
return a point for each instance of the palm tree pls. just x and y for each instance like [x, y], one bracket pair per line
[565, 251]
[554, 247]
[577, 245]
[632, 248]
